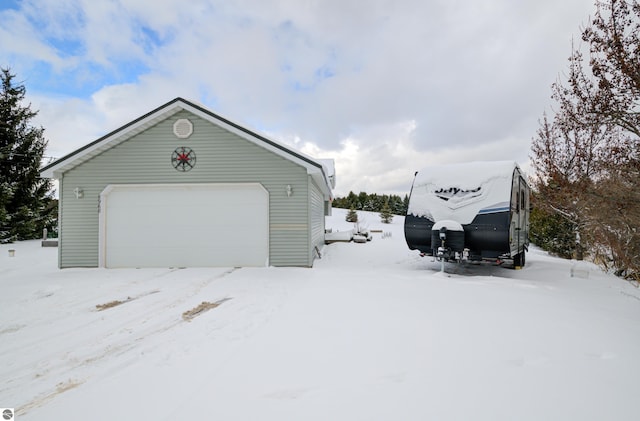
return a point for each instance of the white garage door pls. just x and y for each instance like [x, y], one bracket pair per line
[194, 225]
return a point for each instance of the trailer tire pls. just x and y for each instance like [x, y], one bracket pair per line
[519, 259]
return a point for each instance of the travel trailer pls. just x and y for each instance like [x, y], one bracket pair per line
[473, 211]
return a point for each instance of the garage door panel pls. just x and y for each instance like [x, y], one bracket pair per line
[182, 226]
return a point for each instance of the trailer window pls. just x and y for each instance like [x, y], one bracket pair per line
[522, 204]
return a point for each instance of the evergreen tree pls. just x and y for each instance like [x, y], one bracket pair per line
[385, 214]
[352, 215]
[351, 201]
[363, 197]
[551, 231]
[372, 202]
[24, 196]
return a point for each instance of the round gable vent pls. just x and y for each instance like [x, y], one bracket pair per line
[182, 128]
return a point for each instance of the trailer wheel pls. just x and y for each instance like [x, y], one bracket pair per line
[519, 259]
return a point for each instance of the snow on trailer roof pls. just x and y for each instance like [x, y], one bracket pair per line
[458, 192]
[466, 175]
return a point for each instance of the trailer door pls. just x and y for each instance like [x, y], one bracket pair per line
[518, 229]
[524, 212]
[520, 214]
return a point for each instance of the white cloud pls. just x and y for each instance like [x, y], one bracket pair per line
[379, 158]
[384, 87]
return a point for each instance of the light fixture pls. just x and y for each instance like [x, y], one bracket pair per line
[289, 190]
[78, 192]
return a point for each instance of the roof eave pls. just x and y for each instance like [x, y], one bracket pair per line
[71, 160]
[66, 163]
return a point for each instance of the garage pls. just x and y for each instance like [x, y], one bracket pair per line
[181, 186]
[184, 225]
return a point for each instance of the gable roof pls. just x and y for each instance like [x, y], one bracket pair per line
[322, 174]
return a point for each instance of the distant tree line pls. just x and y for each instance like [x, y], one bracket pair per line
[586, 155]
[373, 202]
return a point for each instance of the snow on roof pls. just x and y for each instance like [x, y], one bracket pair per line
[330, 169]
[458, 192]
[466, 175]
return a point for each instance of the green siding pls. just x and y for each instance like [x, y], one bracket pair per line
[221, 157]
[316, 218]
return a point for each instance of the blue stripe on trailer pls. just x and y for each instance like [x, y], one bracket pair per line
[494, 210]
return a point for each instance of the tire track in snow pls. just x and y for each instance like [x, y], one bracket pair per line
[119, 339]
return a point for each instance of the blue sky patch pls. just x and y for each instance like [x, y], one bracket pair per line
[151, 39]
[67, 47]
[10, 4]
[82, 81]
[320, 75]
[325, 72]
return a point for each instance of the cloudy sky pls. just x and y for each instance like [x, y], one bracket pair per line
[383, 87]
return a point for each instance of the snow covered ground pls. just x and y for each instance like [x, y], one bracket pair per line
[372, 332]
